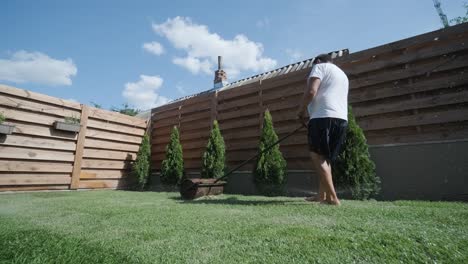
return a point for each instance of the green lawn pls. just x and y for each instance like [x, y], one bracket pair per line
[148, 227]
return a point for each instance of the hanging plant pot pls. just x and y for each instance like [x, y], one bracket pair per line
[6, 129]
[64, 126]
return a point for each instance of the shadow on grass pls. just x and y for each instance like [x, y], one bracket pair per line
[236, 201]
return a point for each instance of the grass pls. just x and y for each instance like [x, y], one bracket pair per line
[148, 227]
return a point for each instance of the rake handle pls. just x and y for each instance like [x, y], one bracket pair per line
[265, 150]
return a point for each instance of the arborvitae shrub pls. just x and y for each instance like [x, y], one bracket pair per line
[214, 157]
[172, 167]
[353, 169]
[141, 167]
[270, 169]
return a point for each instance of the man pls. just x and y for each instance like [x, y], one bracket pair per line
[326, 99]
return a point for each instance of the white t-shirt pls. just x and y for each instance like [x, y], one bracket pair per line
[331, 99]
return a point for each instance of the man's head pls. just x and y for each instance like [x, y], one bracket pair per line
[322, 58]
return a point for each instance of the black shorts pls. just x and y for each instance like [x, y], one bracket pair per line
[326, 136]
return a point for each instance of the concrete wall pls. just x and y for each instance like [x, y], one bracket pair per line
[429, 171]
[300, 183]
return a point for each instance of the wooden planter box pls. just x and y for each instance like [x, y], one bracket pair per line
[6, 129]
[59, 125]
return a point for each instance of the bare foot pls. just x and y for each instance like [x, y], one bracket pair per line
[312, 199]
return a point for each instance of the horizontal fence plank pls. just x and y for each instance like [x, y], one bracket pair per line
[19, 115]
[436, 65]
[109, 154]
[237, 104]
[418, 84]
[38, 97]
[161, 132]
[171, 113]
[104, 174]
[115, 117]
[289, 103]
[34, 166]
[433, 49]
[195, 144]
[103, 144]
[412, 103]
[415, 120]
[160, 140]
[204, 124]
[201, 106]
[241, 134]
[37, 142]
[241, 113]
[243, 145]
[11, 152]
[31, 179]
[195, 117]
[43, 131]
[239, 91]
[170, 123]
[38, 107]
[99, 134]
[33, 188]
[193, 153]
[105, 164]
[278, 116]
[195, 100]
[94, 123]
[231, 124]
[201, 135]
[167, 107]
[418, 40]
[284, 92]
[425, 133]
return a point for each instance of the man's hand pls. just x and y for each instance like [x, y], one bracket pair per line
[301, 117]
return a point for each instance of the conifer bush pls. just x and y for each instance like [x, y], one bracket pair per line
[353, 169]
[213, 162]
[141, 167]
[2, 118]
[269, 173]
[172, 167]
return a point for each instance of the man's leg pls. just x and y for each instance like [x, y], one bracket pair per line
[321, 194]
[324, 171]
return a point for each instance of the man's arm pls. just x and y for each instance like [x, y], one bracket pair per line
[309, 93]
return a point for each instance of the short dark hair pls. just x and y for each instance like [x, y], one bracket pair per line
[322, 58]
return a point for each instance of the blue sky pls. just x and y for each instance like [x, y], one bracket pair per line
[95, 50]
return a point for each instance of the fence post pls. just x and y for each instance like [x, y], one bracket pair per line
[214, 108]
[75, 179]
[260, 104]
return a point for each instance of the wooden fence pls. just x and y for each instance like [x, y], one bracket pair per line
[37, 156]
[412, 90]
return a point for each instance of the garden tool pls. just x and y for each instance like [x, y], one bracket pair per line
[194, 188]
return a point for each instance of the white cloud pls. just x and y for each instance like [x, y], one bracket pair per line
[294, 54]
[263, 23]
[36, 67]
[203, 47]
[143, 94]
[194, 65]
[154, 47]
